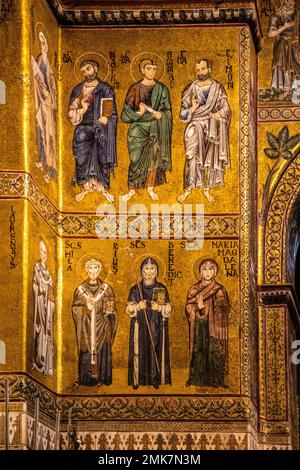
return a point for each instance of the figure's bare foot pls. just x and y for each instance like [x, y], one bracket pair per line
[76, 384]
[39, 164]
[80, 196]
[182, 197]
[35, 367]
[109, 197]
[128, 196]
[208, 196]
[152, 194]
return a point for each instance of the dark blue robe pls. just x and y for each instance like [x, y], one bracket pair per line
[148, 373]
[94, 144]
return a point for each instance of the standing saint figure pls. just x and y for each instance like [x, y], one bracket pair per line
[44, 307]
[285, 65]
[95, 317]
[149, 309]
[207, 309]
[46, 110]
[92, 110]
[148, 111]
[205, 109]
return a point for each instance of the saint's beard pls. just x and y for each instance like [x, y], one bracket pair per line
[202, 78]
[90, 78]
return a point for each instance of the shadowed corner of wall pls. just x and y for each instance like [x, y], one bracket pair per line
[2, 92]
[2, 353]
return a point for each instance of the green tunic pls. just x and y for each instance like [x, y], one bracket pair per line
[149, 139]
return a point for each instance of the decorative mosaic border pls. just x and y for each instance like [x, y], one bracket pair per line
[106, 423]
[159, 441]
[275, 365]
[130, 408]
[106, 439]
[22, 186]
[272, 112]
[229, 437]
[280, 207]
[245, 179]
[234, 13]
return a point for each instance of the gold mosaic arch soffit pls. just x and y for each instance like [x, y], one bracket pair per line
[283, 196]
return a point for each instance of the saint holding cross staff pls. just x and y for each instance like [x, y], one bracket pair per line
[149, 309]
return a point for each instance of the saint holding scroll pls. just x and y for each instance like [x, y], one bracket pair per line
[148, 110]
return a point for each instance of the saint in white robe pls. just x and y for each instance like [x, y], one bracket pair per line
[206, 138]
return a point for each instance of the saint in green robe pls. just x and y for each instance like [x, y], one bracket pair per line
[149, 139]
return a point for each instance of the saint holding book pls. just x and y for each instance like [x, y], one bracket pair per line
[92, 111]
[149, 309]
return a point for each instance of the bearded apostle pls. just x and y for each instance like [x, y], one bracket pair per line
[205, 110]
[44, 308]
[95, 317]
[207, 309]
[92, 111]
[149, 309]
[148, 111]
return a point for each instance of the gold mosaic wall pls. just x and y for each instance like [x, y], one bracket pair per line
[34, 209]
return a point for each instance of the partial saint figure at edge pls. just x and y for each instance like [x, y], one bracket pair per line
[284, 28]
[95, 317]
[46, 104]
[44, 307]
[149, 309]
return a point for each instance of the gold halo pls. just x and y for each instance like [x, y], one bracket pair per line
[198, 261]
[40, 28]
[201, 55]
[40, 237]
[50, 259]
[136, 268]
[91, 56]
[161, 67]
[80, 267]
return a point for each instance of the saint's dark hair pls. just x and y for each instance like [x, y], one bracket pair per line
[94, 63]
[208, 62]
[145, 62]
